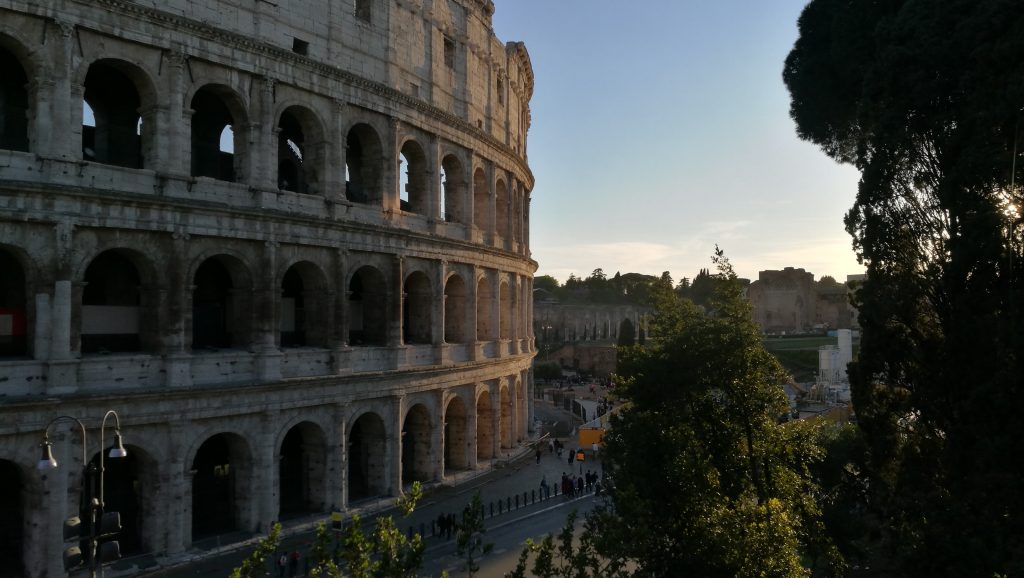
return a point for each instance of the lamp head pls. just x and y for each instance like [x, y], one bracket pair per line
[46, 461]
[117, 448]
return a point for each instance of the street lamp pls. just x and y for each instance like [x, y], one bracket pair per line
[102, 524]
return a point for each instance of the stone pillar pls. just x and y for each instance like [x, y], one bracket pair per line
[471, 433]
[334, 468]
[437, 317]
[394, 447]
[494, 280]
[175, 314]
[264, 145]
[530, 393]
[41, 330]
[268, 297]
[495, 389]
[333, 182]
[394, 338]
[177, 483]
[174, 135]
[57, 493]
[340, 325]
[62, 376]
[437, 439]
[433, 162]
[472, 294]
[492, 204]
[62, 101]
[266, 467]
[341, 416]
[391, 181]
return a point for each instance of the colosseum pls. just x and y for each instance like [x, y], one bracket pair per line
[287, 242]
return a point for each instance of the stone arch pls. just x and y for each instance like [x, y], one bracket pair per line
[481, 195]
[118, 93]
[367, 457]
[217, 108]
[485, 330]
[416, 433]
[453, 189]
[455, 296]
[130, 486]
[414, 179]
[221, 303]
[505, 307]
[505, 408]
[304, 303]
[14, 306]
[13, 517]
[301, 150]
[501, 204]
[417, 299]
[367, 307]
[302, 471]
[455, 435]
[484, 426]
[364, 164]
[221, 477]
[15, 101]
[118, 312]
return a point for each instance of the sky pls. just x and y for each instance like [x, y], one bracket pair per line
[661, 128]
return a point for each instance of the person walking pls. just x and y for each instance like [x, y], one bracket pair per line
[538, 454]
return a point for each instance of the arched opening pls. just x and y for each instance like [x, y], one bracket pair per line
[455, 445]
[222, 470]
[455, 310]
[506, 418]
[302, 471]
[484, 427]
[220, 305]
[505, 324]
[114, 102]
[453, 190]
[367, 452]
[214, 145]
[416, 463]
[13, 307]
[303, 307]
[12, 521]
[112, 312]
[364, 159]
[367, 301]
[126, 483]
[481, 211]
[417, 299]
[13, 103]
[412, 170]
[484, 306]
[298, 151]
[501, 209]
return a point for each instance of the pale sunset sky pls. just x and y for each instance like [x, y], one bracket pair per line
[660, 128]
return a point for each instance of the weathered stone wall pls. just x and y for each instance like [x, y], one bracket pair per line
[202, 226]
[790, 300]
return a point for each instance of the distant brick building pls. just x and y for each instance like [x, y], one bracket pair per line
[791, 300]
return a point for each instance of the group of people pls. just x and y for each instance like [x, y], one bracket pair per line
[289, 562]
[446, 526]
[573, 485]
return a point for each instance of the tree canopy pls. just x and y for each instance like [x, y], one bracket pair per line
[924, 97]
[703, 479]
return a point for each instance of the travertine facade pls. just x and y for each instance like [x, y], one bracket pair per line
[286, 241]
[790, 300]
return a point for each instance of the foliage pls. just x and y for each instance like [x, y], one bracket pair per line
[566, 560]
[255, 565]
[924, 97]
[547, 370]
[703, 480]
[470, 539]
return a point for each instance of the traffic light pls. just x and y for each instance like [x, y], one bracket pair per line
[73, 557]
[97, 552]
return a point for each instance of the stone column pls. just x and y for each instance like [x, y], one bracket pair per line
[394, 447]
[57, 493]
[41, 329]
[437, 317]
[495, 389]
[394, 338]
[334, 468]
[264, 146]
[175, 313]
[341, 419]
[62, 376]
[437, 439]
[266, 466]
[529, 393]
[472, 294]
[62, 101]
[177, 483]
[391, 181]
[334, 181]
[494, 280]
[433, 162]
[175, 135]
[492, 203]
[471, 433]
[340, 325]
[266, 306]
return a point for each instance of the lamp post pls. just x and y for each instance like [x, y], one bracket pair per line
[102, 524]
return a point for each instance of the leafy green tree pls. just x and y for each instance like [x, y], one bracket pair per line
[703, 480]
[470, 541]
[256, 564]
[546, 282]
[566, 559]
[924, 98]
